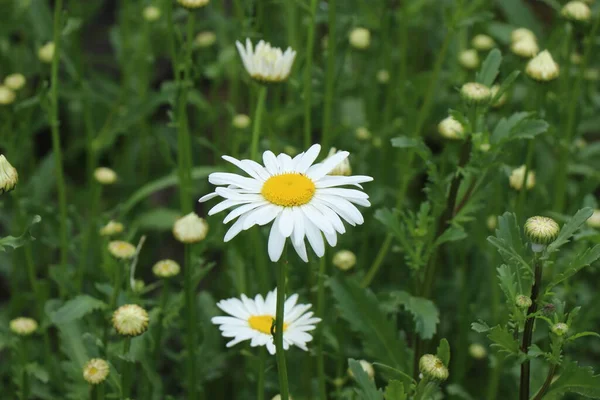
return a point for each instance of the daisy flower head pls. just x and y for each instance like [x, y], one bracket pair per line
[265, 63]
[301, 199]
[254, 320]
[96, 371]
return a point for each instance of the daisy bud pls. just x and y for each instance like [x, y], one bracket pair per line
[130, 320]
[576, 58]
[278, 397]
[266, 63]
[7, 96]
[46, 52]
[450, 128]
[477, 351]
[111, 228]
[138, 285]
[522, 34]
[383, 76]
[501, 100]
[362, 133]
[548, 309]
[360, 38]
[23, 326]
[151, 13]
[541, 231]
[542, 67]
[594, 220]
[343, 168]
[15, 81]
[491, 222]
[525, 48]
[166, 269]
[433, 368]
[475, 93]
[121, 250]
[367, 367]
[576, 11]
[192, 3]
[516, 178]
[8, 175]
[469, 59]
[560, 329]
[190, 229]
[523, 301]
[484, 147]
[344, 260]
[241, 121]
[96, 371]
[205, 39]
[483, 42]
[105, 176]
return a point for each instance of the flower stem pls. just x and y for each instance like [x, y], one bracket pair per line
[329, 76]
[24, 376]
[191, 323]
[159, 329]
[281, 365]
[308, 75]
[126, 374]
[321, 314]
[528, 331]
[561, 181]
[260, 383]
[540, 394]
[56, 145]
[260, 109]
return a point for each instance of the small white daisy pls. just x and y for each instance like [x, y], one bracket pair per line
[253, 319]
[301, 199]
[265, 63]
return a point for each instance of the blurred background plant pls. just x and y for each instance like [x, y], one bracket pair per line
[472, 116]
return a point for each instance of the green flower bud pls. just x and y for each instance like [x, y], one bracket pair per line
[475, 93]
[523, 301]
[433, 368]
[560, 329]
[541, 231]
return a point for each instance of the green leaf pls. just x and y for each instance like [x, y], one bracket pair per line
[16, 242]
[508, 241]
[76, 308]
[519, 126]
[505, 86]
[37, 371]
[395, 391]
[360, 308]
[452, 234]
[503, 339]
[158, 219]
[368, 390]
[582, 334]
[443, 352]
[569, 229]
[580, 261]
[424, 311]
[529, 129]
[405, 142]
[480, 327]
[575, 379]
[490, 68]
[507, 282]
[390, 220]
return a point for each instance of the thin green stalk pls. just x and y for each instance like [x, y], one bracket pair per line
[159, 329]
[308, 75]
[258, 114]
[24, 375]
[319, 335]
[94, 193]
[126, 374]
[540, 394]
[407, 173]
[281, 365]
[56, 145]
[562, 169]
[260, 383]
[117, 272]
[190, 306]
[329, 76]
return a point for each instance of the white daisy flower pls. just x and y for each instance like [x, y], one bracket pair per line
[253, 319]
[300, 198]
[266, 63]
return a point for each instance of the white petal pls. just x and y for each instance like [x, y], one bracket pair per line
[276, 242]
[300, 248]
[286, 222]
[207, 197]
[270, 162]
[243, 209]
[314, 238]
[327, 165]
[308, 158]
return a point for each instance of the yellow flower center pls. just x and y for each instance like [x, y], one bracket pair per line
[93, 371]
[263, 323]
[288, 190]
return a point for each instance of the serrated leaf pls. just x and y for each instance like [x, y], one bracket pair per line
[580, 261]
[368, 390]
[503, 339]
[505, 126]
[360, 308]
[405, 142]
[424, 311]
[569, 229]
[507, 282]
[490, 68]
[508, 241]
[575, 379]
[480, 327]
[582, 334]
[395, 391]
[529, 129]
[452, 234]
[18, 241]
[38, 372]
[443, 352]
[76, 308]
